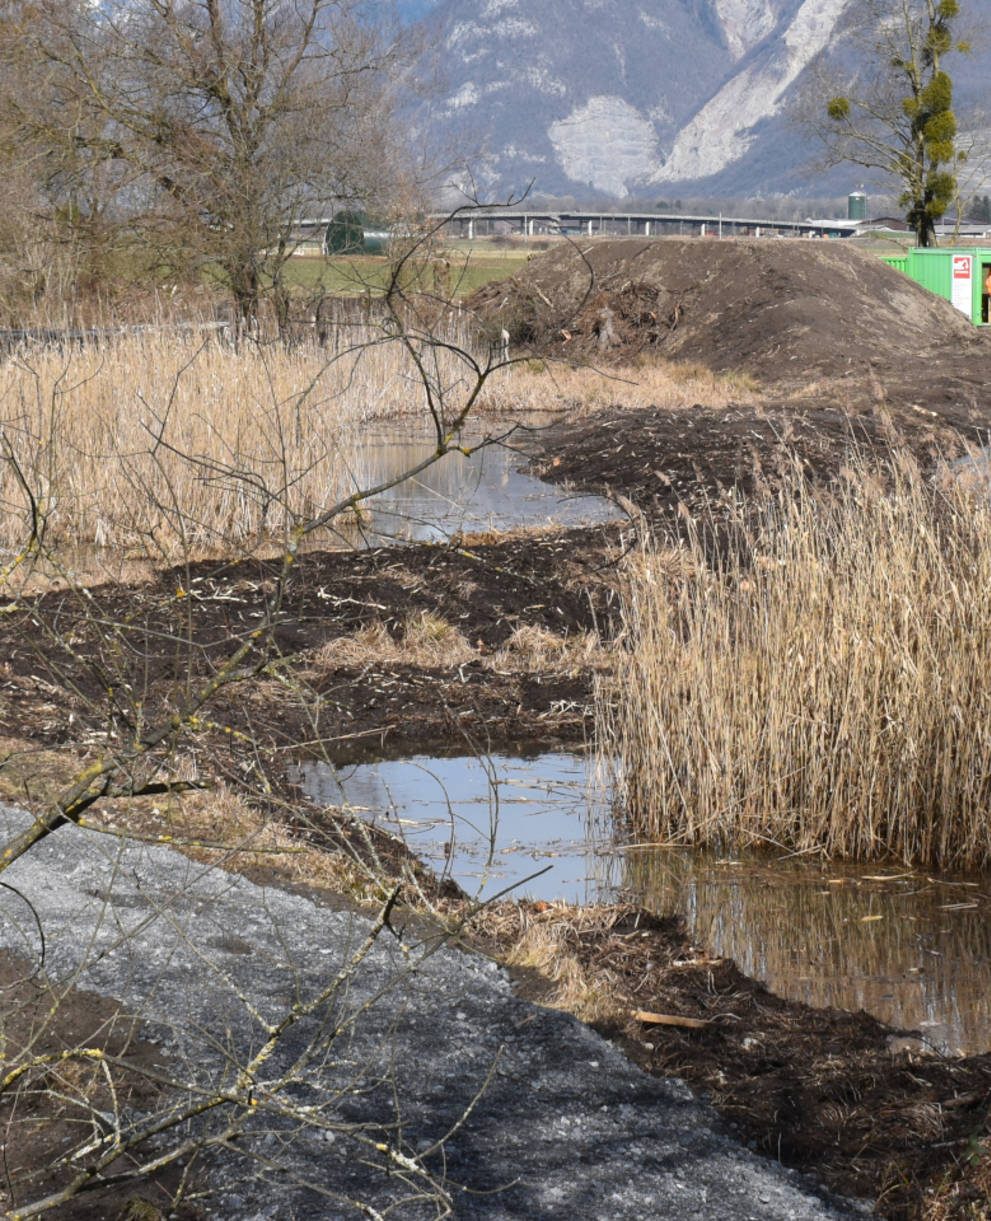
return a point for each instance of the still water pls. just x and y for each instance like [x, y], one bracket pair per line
[490, 822]
[912, 948]
[460, 494]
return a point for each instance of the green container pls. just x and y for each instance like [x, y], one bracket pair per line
[351, 233]
[957, 273]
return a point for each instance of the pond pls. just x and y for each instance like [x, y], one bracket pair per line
[910, 947]
[460, 494]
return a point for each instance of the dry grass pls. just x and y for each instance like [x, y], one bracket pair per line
[536, 386]
[965, 1193]
[215, 826]
[545, 938]
[535, 650]
[825, 688]
[427, 640]
[160, 443]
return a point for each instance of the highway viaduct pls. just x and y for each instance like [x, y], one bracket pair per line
[485, 222]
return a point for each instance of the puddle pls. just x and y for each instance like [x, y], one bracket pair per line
[914, 950]
[460, 494]
[490, 823]
[975, 466]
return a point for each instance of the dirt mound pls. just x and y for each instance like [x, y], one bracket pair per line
[779, 309]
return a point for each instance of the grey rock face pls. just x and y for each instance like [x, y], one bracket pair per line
[598, 98]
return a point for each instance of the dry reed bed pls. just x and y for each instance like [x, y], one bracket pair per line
[824, 688]
[540, 386]
[163, 442]
[159, 443]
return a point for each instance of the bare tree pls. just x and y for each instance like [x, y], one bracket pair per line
[205, 129]
[894, 112]
[147, 695]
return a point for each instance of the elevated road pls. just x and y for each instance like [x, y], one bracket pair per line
[483, 222]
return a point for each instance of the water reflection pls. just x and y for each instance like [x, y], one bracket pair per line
[458, 493]
[915, 950]
[489, 822]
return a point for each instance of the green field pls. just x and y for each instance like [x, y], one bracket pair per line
[354, 275]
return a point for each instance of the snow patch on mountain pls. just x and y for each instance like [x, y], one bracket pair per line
[813, 28]
[653, 22]
[518, 27]
[458, 33]
[540, 79]
[606, 143]
[467, 95]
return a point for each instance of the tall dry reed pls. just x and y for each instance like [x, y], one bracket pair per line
[822, 684]
[162, 441]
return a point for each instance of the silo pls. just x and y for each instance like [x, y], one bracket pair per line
[351, 233]
[856, 205]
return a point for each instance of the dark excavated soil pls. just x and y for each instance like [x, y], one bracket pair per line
[172, 633]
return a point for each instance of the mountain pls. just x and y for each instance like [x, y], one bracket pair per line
[610, 98]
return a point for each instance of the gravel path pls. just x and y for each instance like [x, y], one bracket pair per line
[421, 1073]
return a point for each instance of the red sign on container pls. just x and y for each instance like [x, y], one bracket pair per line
[961, 267]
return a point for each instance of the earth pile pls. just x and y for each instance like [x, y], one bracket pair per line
[780, 310]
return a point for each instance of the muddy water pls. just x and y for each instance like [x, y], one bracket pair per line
[460, 494]
[913, 949]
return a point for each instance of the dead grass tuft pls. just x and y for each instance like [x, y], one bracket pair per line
[546, 938]
[430, 642]
[535, 650]
[426, 640]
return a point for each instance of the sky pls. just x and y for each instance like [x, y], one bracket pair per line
[412, 10]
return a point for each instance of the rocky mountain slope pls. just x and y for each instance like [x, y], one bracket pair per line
[600, 98]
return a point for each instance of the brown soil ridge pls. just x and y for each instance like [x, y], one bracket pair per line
[784, 309]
